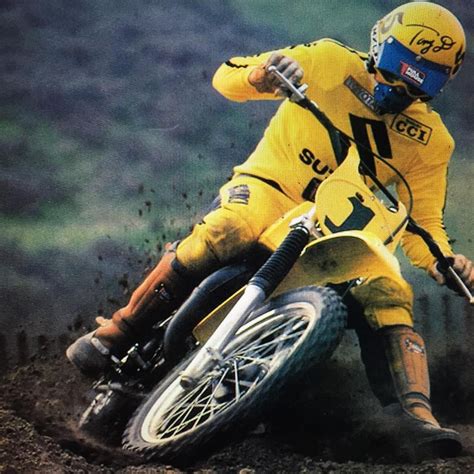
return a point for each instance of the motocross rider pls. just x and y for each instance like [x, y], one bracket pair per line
[382, 100]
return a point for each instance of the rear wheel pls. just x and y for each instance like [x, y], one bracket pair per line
[107, 414]
[284, 338]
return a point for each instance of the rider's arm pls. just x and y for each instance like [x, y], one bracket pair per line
[232, 77]
[428, 182]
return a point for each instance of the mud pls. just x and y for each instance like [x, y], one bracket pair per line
[313, 430]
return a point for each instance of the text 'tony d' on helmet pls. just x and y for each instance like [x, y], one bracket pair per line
[422, 43]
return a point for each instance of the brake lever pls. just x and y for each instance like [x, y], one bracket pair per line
[447, 269]
[462, 286]
[296, 90]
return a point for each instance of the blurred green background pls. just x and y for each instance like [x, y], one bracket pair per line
[113, 141]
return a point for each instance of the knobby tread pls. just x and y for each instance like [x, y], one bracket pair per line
[318, 345]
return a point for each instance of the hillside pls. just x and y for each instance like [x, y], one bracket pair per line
[113, 141]
[105, 107]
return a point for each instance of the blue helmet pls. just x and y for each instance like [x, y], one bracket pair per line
[415, 50]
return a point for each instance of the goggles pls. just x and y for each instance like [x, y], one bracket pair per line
[400, 87]
[400, 67]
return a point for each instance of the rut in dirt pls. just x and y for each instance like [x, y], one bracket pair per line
[326, 423]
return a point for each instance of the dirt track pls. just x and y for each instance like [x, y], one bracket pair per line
[40, 404]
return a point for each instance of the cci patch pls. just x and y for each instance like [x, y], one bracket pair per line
[239, 194]
[411, 128]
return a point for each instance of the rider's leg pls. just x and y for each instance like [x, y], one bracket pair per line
[372, 352]
[396, 362]
[162, 291]
[246, 207]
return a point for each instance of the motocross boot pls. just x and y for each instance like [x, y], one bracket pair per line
[162, 291]
[420, 431]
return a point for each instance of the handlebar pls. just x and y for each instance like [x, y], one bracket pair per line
[296, 94]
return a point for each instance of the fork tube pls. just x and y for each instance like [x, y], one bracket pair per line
[253, 297]
[262, 284]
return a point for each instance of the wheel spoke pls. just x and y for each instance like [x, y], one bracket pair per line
[212, 396]
[175, 408]
[287, 334]
[271, 331]
[191, 406]
[245, 383]
[182, 408]
[273, 342]
[236, 380]
[177, 415]
[189, 421]
[257, 350]
[251, 360]
[288, 320]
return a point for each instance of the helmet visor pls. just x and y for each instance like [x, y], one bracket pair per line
[427, 76]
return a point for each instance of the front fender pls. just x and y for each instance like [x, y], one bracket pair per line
[335, 258]
[340, 257]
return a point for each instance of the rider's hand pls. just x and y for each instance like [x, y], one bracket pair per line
[463, 267]
[265, 81]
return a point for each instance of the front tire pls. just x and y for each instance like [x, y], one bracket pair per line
[283, 339]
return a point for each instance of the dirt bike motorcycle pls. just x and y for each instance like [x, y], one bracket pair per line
[246, 333]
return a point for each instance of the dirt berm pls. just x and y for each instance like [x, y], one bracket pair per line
[311, 430]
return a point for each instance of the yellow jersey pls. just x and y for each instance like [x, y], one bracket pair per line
[295, 150]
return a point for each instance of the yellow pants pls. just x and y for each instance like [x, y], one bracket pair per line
[247, 207]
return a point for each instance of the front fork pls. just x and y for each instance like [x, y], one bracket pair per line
[262, 284]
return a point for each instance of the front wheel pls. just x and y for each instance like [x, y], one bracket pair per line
[283, 339]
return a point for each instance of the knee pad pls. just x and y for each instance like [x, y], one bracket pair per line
[221, 237]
